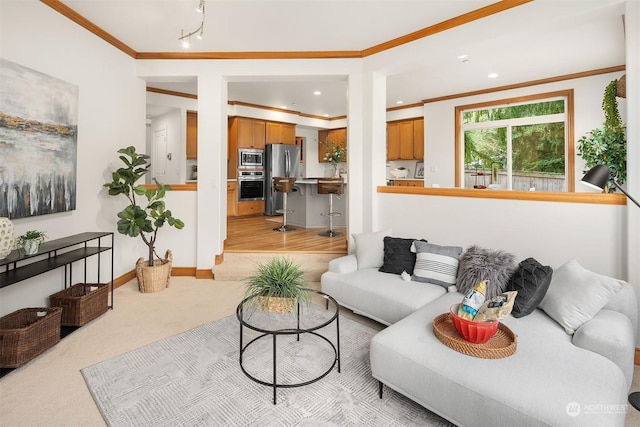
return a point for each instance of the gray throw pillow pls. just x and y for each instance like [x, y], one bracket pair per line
[436, 264]
[478, 264]
[398, 256]
[531, 279]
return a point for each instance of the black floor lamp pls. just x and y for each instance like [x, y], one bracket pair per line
[598, 177]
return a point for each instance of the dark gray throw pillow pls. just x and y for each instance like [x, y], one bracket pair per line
[478, 264]
[531, 279]
[398, 256]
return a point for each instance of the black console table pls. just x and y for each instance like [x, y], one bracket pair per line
[57, 253]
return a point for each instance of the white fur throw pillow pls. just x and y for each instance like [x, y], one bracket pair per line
[478, 264]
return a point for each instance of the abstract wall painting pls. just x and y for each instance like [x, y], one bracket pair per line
[38, 142]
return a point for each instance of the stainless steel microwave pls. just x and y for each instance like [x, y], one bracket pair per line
[250, 158]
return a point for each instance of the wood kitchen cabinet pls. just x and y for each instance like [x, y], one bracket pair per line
[232, 198]
[192, 135]
[251, 208]
[248, 133]
[405, 140]
[335, 136]
[408, 183]
[280, 133]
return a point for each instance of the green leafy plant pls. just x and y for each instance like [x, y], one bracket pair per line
[146, 219]
[607, 146]
[280, 277]
[30, 235]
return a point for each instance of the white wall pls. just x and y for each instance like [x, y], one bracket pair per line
[111, 116]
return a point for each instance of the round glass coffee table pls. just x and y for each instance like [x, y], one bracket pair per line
[304, 353]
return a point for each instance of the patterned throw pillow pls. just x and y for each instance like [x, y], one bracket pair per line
[478, 264]
[531, 279]
[398, 256]
[436, 264]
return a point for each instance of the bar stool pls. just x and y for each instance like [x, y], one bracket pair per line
[283, 185]
[330, 186]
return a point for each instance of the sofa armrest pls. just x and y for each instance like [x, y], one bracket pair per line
[611, 335]
[345, 264]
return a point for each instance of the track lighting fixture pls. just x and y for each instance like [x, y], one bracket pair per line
[198, 32]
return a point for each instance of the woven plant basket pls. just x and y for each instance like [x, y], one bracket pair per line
[81, 303]
[621, 87]
[277, 304]
[155, 278]
[26, 333]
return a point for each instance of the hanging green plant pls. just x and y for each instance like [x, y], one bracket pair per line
[607, 146]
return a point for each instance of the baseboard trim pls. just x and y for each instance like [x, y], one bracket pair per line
[183, 271]
[636, 359]
[204, 274]
[220, 259]
[119, 281]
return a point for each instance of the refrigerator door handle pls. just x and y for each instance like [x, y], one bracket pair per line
[287, 164]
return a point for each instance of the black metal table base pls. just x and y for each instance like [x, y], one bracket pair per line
[293, 331]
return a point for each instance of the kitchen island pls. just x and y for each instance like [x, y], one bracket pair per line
[308, 206]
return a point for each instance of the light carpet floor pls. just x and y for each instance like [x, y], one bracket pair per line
[50, 390]
[194, 379]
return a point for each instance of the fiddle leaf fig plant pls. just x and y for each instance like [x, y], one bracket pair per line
[607, 146]
[144, 219]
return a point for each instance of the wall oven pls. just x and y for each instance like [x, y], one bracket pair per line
[250, 158]
[251, 185]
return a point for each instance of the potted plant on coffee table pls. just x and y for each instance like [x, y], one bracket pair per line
[278, 285]
[143, 219]
[30, 242]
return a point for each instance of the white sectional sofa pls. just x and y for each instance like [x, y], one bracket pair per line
[554, 378]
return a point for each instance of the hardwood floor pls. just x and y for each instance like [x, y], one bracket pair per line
[255, 234]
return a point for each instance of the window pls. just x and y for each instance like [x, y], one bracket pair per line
[517, 144]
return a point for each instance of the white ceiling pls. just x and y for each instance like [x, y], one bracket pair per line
[537, 40]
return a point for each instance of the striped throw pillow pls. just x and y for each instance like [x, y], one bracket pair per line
[436, 264]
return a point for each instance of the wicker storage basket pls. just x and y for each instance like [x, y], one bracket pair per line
[80, 304]
[26, 333]
[156, 278]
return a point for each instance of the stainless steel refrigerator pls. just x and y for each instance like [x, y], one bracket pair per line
[279, 160]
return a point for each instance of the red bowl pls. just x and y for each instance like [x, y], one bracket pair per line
[474, 332]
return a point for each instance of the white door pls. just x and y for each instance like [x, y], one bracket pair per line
[159, 160]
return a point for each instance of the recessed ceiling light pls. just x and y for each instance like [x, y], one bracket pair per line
[492, 75]
[284, 107]
[317, 93]
[326, 115]
[399, 102]
[465, 56]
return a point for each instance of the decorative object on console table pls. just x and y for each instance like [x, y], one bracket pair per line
[30, 241]
[143, 220]
[280, 284]
[6, 237]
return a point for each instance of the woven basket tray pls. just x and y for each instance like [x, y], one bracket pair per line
[26, 333]
[503, 343]
[80, 304]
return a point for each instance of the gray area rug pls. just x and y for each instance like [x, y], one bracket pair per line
[194, 379]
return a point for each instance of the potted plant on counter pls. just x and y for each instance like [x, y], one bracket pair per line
[278, 285]
[145, 219]
[30, 242]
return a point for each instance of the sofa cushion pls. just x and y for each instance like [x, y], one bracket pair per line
[398, 256]
[531, 280]
[610, 334]
[478, 264]
[436, 264]
[576, 294]
[370, 248]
